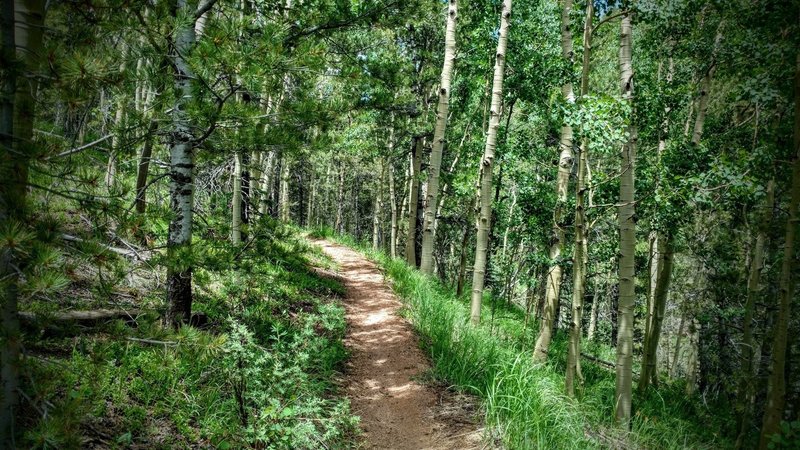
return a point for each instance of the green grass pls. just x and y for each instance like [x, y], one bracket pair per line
[260, 374]
[525, 401]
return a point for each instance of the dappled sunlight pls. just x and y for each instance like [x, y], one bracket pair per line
[397, 412]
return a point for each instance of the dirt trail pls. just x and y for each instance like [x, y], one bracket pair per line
[397, 412]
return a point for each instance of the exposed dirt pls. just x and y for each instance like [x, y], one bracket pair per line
[386, 364]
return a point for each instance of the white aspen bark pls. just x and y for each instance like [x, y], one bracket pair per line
[236, 201]
[580, 253]
[393, 205]
[776, 396]
[284, 190]
[592, 329]
[485, 214]
[181, 184]
[627, 232]
[553, 285]
[413, 196]
[442, 111]
[266, 182]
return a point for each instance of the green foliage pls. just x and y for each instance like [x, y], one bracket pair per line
[260, 374]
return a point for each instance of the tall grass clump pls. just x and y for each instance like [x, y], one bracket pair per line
[524, 401]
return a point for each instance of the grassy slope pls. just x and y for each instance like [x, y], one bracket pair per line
[525, 401]
[261, 373]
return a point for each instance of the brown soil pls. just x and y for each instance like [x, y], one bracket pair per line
[385, 367]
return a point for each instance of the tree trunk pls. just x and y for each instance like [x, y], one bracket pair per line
[462, 262]
[12, 203]
[580, 256]
[119, 115]
[627, 239]
[746, 393]
[485, 215]
[664, 256]
[266, 183]
[181, 185]
[590, 332]
[393, 206]
[553, 286]
[442, 111]
[144, 168]
[378, 210]
[22, 30]
[776, 397]
[236, 201]
[285, 207]
[674, 367]
[339, 225]
[413, 195]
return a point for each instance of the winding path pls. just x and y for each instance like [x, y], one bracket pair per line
[397, 412]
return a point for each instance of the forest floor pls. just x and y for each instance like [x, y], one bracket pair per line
[387, 376]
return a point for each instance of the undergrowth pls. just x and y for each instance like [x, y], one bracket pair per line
[260, 373]
[524, 401]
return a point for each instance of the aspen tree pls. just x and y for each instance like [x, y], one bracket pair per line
[236, 201]
[181, 166]
[413, 197]
[554, 274]
[627, 237]
[442, 110]
[746, 391]
[22, 31]
[579, 254]
[776, 395]
[485, 198]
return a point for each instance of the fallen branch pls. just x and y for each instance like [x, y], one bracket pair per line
[80, 316]
[152, 341]
[132, 254]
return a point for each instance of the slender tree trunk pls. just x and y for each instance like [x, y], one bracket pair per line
[776, 396]
[746, 393]
[393, 206]
[378, 210]
[13, 181]
[284, 190]
[236, 201]
[674, 367]
[553, 286]
[590, 332]
[339, 225]
[462, 262]
[266, 183]
[119, 116]
[580, 255]
[485, 214]
[627, 232]
[442, 111]
[181, 185]
[144, 167]
[413, 195]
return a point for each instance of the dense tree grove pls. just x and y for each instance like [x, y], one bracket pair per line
[624, 176]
